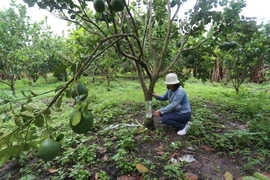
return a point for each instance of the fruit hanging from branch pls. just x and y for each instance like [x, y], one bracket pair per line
[228, 45]
[48, 149]
[117, 5]
[99, 5]
[81, 120]
[79, 92]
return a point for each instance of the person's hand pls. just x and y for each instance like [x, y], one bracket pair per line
[154, 94]
[157, 113]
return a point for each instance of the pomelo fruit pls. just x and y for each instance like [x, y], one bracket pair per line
[117, 5]
[79, 90]
[99, 5]
[85, 124]
[48, 149]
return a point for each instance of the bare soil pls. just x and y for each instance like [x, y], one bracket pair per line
[209, 163]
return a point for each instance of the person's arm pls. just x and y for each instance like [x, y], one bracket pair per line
[163, 97]
[175, 102]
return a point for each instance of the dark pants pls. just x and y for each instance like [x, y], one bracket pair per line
[178, 121]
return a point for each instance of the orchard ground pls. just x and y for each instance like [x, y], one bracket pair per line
[229, 135]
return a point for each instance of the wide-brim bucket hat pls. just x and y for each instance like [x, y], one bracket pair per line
[171, 79]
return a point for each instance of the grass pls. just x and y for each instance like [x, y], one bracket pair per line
[216, 109]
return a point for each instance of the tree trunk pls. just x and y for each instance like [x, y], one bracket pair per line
[225, 74]
[195, 72]
[148, 91]
[12, 86]
[149, 120]
[257, 72]
[108, 76]
[216, 72]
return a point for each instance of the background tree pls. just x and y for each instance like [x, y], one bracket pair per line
[41, 52]
[13, 26]
[261, 39]
[240, 58]
[144, 31]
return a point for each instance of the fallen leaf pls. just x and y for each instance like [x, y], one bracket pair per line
[141, 168]
[196, 165]
[191, 176]
[113, 138]
[266, 174]
[126, 178]
[174, 155]
[96, 176]
[159, 148]
[105, 157]
[244, 126]
[137, 138]
[162, 178]
[228, 176]
[160, 152]
[206, 148]
[102, 150]
[52, 170]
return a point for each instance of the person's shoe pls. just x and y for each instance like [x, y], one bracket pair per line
[183, 131]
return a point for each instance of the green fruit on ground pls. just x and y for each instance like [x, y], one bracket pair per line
[99, 5]
[80, 91]
[117, 5]
[85, 124]
[48, 149]
[178, 43]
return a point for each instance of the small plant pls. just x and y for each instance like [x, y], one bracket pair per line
[174, 171]
[103, 175]
[123, 161]
[256, 176]
[79, 171]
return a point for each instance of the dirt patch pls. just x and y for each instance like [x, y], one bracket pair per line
[207, 162]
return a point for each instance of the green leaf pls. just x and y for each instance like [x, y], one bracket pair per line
[59, 102]
[73, 16]
[8, 152]
[249, 178]
[23, 93]
[33, 144]
[252, 163]
[18, 120]
[29, 100]
[16, 138]
[32, 137]
[30, 3]
[34, 94]
[76, 118]
[47, 112]
[60, 137]
[260, 176]
[41, 5]
[60, 69]
[4, 101]
[26, 114]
